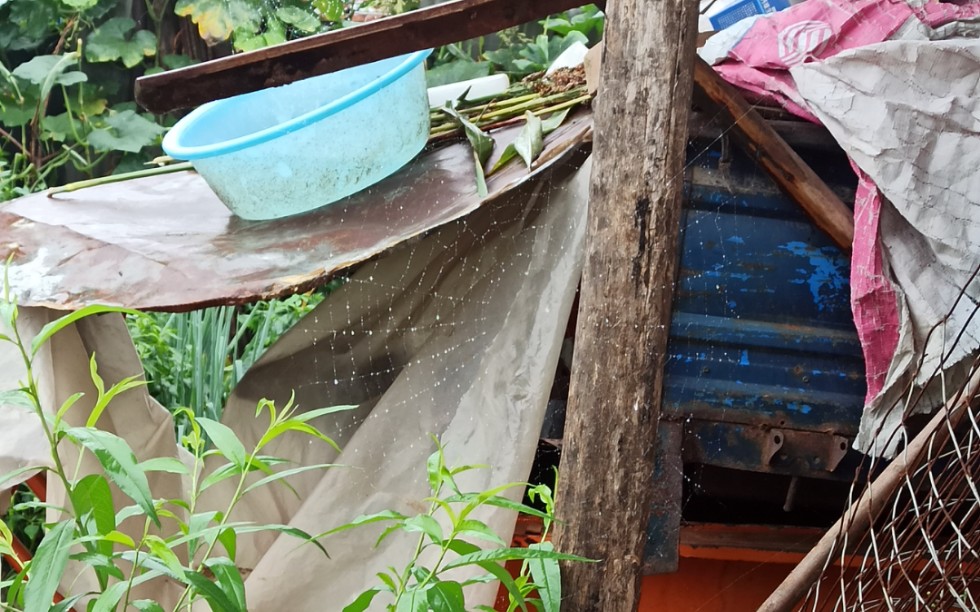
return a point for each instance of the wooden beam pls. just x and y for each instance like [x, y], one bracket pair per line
[281, 64]
[777, 158]
[641, 117]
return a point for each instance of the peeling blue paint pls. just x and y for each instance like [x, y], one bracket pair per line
[798, 407]
[825, 280]
[735, 240]
[744, 360]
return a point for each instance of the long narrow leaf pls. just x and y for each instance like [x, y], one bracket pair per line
[319, 412]
[225, 440]
[481, 143]
[47, 567]
[213, 594]
[288, 473]
[62, 322]
[229, 579]
[366, 519]
[530, 141]
[547, 578]
[16, 475]
[445, 596]
[362, 602]
[505, 579]
[510, 554]
[119, 463]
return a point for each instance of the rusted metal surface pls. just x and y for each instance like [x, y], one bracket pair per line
[167, 243]
[761, 449]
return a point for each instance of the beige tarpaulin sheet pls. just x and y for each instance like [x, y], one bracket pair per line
[456, 335]
[908, 113]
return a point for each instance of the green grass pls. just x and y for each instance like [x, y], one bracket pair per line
[194, 359]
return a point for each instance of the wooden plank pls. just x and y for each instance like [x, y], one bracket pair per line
[777, 158]
[605, 493]
[299, 59]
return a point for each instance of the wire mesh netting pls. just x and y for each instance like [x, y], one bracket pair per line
[910, 539]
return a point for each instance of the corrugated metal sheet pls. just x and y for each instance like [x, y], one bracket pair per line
[762, 336]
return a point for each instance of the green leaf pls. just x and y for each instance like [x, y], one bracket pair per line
[229, 579]
[479, 499]
[366, 519]
[65, 605]
[66, 406]
[304, 21]
[427, 525]
[224, 472]
[91, 499]
[547, 578]
[331, 10]
[286, 474]
[478, 529]
[229, 540]
[226, 441]
[553, 122]
[309, 415]
[481, 143]
[120, 538]
[171, 465]
[119, 463]
[15, 474]
[50, 70]
[413, 600]
[509, 554]
[61, 127]
[362, 602]
[286, 529]
[434, 469]
[530, 141]
[509, 153]
[501, 573]
[62, 322]
[161, 550]
[213, 594]
[146, 605]
[102, 564]
[105, 397]
[445, 596]
[125, 130]
[217, 19]
[16, 397]
[114, 40]
[47, 568]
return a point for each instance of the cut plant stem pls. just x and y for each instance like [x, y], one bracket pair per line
[116, 178]
[443, 131]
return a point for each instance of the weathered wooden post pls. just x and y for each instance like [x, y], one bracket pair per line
[641, 116]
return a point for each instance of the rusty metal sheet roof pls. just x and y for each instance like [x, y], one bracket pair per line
[167, 242]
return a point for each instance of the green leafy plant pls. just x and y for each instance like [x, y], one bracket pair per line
[521, 54]
[181, 542]
[193, 360]
[65, 70]
[466, 542]
[252, 24]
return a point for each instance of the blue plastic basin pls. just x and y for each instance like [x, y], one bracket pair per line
[290, 149]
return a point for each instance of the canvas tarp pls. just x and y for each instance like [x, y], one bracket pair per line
[456, 335]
